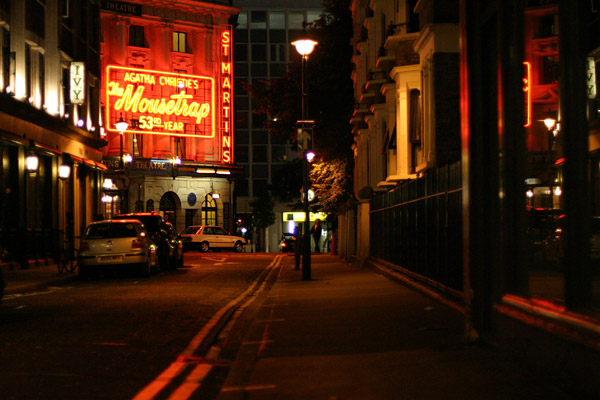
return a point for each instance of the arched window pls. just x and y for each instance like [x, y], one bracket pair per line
[209, 210]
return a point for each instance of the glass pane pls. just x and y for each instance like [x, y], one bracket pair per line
[258, 19]
[276, 20]
[312, 16]
[277, 36]
[258, 36]
[295, 19]
[242, 21]
[259, 52]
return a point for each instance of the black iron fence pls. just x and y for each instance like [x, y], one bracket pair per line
[418, 226]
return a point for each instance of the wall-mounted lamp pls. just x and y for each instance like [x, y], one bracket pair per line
[107, 184]
[550, 123]
[310, 156]
[557, 191]
[64, 171]
[32, 163]
[127, 158]
[215, 195]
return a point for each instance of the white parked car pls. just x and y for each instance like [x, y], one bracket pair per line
[120, 243]
[204, 238]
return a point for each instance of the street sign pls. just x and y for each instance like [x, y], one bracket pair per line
[305, 142]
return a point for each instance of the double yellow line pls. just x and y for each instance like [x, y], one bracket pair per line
[186, 358]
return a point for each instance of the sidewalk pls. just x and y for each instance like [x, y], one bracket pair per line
[20, 280]
[351, 333]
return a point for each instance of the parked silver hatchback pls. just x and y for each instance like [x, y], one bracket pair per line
[118, 244]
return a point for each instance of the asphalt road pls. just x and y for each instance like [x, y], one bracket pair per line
[121, 336]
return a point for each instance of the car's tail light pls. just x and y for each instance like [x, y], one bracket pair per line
[137, 244]
[84, 246]
[283, 244]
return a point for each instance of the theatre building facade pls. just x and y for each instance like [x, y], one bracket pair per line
[167, 102]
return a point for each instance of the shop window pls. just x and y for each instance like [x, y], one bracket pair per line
[180, 42]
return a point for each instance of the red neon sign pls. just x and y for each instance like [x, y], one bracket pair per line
[160, 103]
[226, 97]
[527, 91]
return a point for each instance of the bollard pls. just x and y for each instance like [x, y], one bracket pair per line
[297, 250]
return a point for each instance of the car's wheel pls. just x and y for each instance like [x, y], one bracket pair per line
[238, 247]
[204, 246]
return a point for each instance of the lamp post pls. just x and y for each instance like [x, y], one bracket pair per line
[121, 180]
[305, 47]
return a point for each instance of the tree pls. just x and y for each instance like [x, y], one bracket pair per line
[332, 184]
[330, 104]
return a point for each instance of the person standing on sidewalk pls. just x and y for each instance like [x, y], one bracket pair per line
[315, 231]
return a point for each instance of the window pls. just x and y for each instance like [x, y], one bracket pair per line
[276, 20]
[296, 20]
[414, 122]
[209, 210]
[258, 19]
[136, 36]
[312, 16]
[278, 52]
[7, 59]
[179, 42]
[259, 154]
[242, 21]
[259, 52]
[240, 52]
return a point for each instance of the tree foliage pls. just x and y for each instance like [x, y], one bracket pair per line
[332, 184]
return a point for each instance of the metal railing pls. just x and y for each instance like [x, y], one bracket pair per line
[418, 226]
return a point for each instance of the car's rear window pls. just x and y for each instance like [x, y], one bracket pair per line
[111, 230]
[190, 230]
[150, 222]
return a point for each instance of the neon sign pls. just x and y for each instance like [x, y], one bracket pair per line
[160, 103]
[527, 91]
[226, 96]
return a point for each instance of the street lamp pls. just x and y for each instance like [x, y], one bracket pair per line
[122, 125]
[305, 47]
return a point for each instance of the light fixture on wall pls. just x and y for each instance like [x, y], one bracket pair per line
[32, 163]
[64, 169]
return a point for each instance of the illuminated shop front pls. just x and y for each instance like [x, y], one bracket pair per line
[167, 99]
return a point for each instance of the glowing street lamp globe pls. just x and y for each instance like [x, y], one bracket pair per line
[304, 46]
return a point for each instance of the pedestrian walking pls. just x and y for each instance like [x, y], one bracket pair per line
[315, 231]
